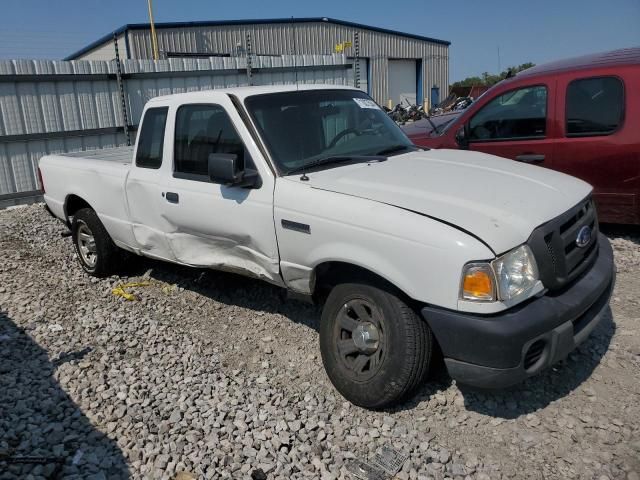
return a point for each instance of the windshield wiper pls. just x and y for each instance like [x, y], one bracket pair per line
[336, 159]
[435, 127]
[394, 149]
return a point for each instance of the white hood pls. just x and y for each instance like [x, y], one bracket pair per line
[500, 201]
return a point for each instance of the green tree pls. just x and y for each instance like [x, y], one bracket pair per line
[491, 79]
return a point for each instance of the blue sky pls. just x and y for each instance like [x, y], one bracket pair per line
[523, 31]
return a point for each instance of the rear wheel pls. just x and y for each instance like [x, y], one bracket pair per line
[375, 349]
[97, 253]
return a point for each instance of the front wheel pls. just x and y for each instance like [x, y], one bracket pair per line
[374, 347]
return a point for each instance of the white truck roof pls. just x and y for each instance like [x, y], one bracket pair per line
[244, 92]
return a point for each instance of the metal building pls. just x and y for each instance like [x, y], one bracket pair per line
[52, 106]
[391, 66]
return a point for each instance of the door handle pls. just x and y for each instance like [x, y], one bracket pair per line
[172, 197]
[530, 158]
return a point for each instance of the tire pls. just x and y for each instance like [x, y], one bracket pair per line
[373, 373]
[97, 253]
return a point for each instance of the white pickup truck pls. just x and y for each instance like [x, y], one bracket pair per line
[499, 264]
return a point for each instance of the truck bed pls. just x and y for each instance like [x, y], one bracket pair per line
[117, 154]
[98, 177]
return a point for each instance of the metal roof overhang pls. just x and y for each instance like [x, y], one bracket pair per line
[144, 26]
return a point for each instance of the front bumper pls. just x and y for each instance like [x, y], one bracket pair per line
[499, 350]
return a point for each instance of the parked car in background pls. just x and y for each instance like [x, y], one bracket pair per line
[580, 116]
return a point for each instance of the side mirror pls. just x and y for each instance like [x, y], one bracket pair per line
[461, 137]
[223, 168]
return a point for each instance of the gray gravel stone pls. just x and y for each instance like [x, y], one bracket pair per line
[176, 385]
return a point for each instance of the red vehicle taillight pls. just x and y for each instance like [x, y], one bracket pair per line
[40, 180]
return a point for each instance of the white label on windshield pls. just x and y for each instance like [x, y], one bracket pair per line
[365, 103]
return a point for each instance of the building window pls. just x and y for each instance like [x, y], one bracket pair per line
[517, 114]
[595, 106]
[150, 143]
[200, 131]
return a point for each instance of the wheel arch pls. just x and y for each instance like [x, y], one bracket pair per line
[73, 203]
[328, 274]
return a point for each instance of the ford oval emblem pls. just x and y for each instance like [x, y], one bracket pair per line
[584, 236]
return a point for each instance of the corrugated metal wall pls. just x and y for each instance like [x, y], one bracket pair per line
[52, 106]
[309, 37]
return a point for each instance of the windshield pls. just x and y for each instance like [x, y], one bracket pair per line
[303, 127]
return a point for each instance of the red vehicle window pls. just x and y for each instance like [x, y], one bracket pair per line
[517, 114]
[595, 106]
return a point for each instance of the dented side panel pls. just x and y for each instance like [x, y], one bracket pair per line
[298, 278]
[145, 200]
[222, 227]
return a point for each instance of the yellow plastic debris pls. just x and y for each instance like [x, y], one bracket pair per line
[120, 291]
[184, 476]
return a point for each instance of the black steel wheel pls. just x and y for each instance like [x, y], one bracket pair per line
[375, 349]
[359, 337]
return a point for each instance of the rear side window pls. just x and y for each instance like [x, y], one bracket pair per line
[517, 114]
[200, 131]
[149, 154]
[595, 106]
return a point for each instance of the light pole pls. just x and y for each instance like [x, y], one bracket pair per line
[154, 38]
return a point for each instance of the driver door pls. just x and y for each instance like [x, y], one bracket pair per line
[216, 226]
[517, 125]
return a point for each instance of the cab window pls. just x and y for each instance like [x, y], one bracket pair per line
[150, 143]
[595, 106]
[517, 114]
[200, 131]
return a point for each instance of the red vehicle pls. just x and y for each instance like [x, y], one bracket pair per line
[580, 116]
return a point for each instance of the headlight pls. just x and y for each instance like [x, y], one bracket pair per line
[516, 272]
[504, 278]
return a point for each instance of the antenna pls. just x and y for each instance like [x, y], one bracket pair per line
[295, 50]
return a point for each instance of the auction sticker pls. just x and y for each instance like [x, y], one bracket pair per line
[366, 103]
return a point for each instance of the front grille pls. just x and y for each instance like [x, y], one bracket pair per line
[560, 259]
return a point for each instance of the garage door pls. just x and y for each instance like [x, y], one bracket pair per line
[402, 81]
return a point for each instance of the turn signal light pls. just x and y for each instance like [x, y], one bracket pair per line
[478, 283]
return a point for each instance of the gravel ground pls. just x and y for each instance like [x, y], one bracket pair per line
[209, 375]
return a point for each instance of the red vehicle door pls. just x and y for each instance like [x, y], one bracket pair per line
[516, 124]
[598, 142]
